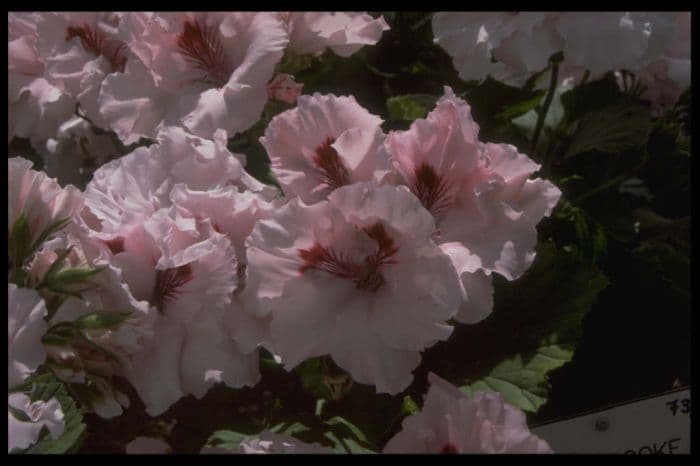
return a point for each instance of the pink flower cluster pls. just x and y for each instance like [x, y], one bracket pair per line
[386, 237]
[377, 244]
[512, 46]
[136, 73]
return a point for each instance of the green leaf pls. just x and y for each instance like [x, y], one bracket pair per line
[18, 414]
[227, 439]
[346, 445]
[44, 387]
[290, 428]
[312, 377]
[60, 334]
[523, 382]
[102, 320]
[339, 421]
[346, 437]
[637, 188]
[409, 107]
[55, 227]
[611, 130]
[292, 63]
[547, 340]
[320, 403]
[521, 108]
[527, 121]
[70, 281]
[18, 241]
[541, 312]
[73, 276]
[591, 96]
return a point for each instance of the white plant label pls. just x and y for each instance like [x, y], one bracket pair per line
[653, 426]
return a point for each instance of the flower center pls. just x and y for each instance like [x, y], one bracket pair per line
[167, 284]
[366, 275]
[95, 42]
[329, 164]
[201, 47]
[449, 449]
[432, 190]
[116, 245]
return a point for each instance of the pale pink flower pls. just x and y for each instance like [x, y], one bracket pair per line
[22, 434]
[230, 211]
[147, 446]
[450, 422]
[484, 205]
[667, 74]
[35, 107]
[126, 191]
[234, 214]
[509, 46]
[270, 443]
[187, 271]
[324, 143]
[356, 277]
[25, 327]
[204, 71]
[80, 49]
[173, 220]
[604, 41]
[38, 198]
[284, 88]
[343, 32]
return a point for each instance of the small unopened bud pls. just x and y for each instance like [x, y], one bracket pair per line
[284, 88]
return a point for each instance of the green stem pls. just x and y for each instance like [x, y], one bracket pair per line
[547, 102]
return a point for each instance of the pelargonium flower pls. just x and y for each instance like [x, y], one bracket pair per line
[128, 190]
[484, 205]
[270, 443]
[233, 214]
[343, 32]
[509, 46]
[172, 219]
[187, 271]
[203, 71]
[324, 143]
[230, 211]
[667, 73]
[80, 49]
[25, 327]
[450, 422]
[35, 106]
[620, 41]
[22, 434]
[356, 277]
[37, 198]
